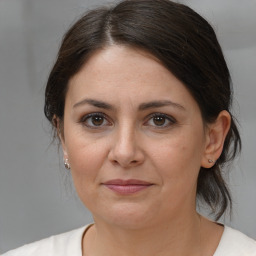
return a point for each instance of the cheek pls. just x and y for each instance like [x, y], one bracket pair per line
[86, 159]
[178, 161]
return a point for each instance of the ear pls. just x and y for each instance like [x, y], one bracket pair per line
[60, 132]
[216, 133]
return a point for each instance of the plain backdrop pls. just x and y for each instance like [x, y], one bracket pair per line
[36, 194]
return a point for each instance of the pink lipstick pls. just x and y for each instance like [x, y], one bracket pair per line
[126, 187]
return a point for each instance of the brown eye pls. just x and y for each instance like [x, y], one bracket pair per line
[97, 120]
[159, 120]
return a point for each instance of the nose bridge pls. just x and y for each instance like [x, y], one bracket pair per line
[125, 141]
[125, 150]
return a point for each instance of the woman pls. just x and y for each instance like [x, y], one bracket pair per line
[140, 99]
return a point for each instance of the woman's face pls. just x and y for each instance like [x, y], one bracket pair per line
[134, 137]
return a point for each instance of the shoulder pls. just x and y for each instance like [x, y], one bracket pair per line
[68, 243]
[235, 243]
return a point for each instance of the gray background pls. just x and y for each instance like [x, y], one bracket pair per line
[36, 195]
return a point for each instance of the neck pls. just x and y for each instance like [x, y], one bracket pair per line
[179, 236]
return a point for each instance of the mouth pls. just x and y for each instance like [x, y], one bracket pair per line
[126, 187]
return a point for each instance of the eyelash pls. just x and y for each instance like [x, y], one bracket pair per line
[85, 119]
[169, 119]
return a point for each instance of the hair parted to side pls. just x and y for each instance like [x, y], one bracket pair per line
[186, 45]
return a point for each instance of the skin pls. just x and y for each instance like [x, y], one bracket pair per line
[125, 142]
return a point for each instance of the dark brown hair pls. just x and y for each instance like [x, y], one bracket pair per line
[183, 41]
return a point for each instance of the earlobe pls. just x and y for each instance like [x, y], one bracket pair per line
[60, 133]
[63, 145]
[215, 138]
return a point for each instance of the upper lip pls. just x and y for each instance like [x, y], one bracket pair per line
[121, 182]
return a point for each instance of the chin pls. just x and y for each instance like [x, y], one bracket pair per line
[128, 216]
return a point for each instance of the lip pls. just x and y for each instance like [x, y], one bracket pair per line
[126, 187]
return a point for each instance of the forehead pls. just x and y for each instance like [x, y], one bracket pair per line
[119, 72]
[119, 60]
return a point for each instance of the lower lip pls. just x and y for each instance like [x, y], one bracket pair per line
[127, 189]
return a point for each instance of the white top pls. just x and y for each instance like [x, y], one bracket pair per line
[232, 243]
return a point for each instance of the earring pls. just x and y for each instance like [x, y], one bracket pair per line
[66, 164]
[210, 161]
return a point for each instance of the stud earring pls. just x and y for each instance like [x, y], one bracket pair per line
[66, 164]
[210, 161]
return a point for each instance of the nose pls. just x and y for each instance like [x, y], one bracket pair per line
[126, 150]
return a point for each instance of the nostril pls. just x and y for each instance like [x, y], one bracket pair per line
[115, 162]
[123, 163]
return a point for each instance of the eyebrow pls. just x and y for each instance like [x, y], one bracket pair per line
[95, 103]
[143, 106]
[160, 103]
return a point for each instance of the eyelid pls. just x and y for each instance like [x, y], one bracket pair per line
[84, 118]
[171, 119]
